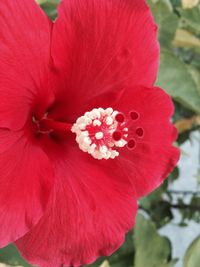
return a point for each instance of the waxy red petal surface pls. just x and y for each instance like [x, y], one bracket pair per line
[89, 211]
[154, 156]
[101, 47]
[97, 54]
[24, 61]
[25, 182]
[93, 202]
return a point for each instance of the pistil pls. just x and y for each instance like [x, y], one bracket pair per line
[100, 132]
[49, 125]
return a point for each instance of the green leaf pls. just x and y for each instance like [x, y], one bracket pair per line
[50, 7]
[176, 3]
[166, 20]
[192, 256]
[11, 256]
[122, 257]
[170, 264]
[158, 209]
[176, 79]
[185, 38]
[152, 250]
[149, 201]
[191, 17]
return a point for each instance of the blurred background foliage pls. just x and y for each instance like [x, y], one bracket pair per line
[179, 36]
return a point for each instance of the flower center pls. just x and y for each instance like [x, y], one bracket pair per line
[99, 132]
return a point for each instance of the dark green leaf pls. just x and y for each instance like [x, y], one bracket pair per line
[166, 20]
[123, 257]
[152, 250]
[192, 17]
[11, 256]
[50, 7]
[176, 79]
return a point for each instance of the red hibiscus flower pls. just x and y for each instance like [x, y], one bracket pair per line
[83, 132]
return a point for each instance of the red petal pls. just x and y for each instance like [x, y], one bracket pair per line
[25, 183]
[24, 59]
[154, 156]
[93, 202]
[88, 214]
[102, 46]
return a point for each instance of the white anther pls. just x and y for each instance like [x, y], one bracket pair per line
[94, 133]
[85, 133]
[97, 113]
[109, 111]
[81, 120]
[114, 114]
[88, 121]
[75, 128]
[120, 143]
[114, 154]
[91, 116]
[103, 149]
[101, 110]
[82, 126]
[99, 135]
[96, 123]
[91, 149]
[86, 114]
[87, 141]
[108, 154]
[94, 114]
[109, 120]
